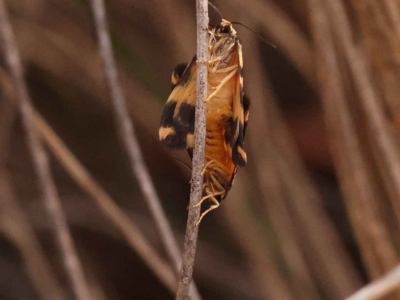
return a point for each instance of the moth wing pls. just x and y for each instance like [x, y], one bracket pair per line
[177, 119]
[240, 109]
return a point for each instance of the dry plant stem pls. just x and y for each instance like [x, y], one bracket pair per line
[332, 264]
[385, 145]
[174, 30]
[15, 225]
[271, 283]
[13, 222]
[106, 205]
[49, 192]
[129, 139]
[377, 35]
[330, 260]
[270, 184]
[320, 240]
[380, 287]
[285, 33]
[393, 10]
[361, 196]
[189, 246]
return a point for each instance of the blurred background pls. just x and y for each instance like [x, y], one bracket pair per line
[314, 215]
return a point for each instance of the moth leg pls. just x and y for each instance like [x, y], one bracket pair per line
[219, 87]
[212, 207]
[203, 199]
[205, 167]
[218, 185]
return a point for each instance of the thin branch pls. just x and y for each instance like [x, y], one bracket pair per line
[380, 287]
[106, 205]
[49, 192]
[128, 137]
[189, 247]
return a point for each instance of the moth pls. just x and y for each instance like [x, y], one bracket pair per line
[226, 116]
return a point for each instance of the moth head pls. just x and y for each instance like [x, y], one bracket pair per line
[222, 42]
[224, 29]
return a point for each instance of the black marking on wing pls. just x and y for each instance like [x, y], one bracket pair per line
[184, 121]
[237, 156]
[174, 141]
[177, 74]
[230, 131]
[185, 75]
[190, 152]
[182, 124]
[237, 143]
[246, 107]
[168, 114]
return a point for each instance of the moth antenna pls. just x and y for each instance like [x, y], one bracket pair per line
[256, 33]
[216, 9]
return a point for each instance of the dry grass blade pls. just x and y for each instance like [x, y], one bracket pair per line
[13, 221]
[15, 225]
[107, 206]
[324, 248]
[319, 240]
[393, 10]
[285, 33]
[271, 184]
[129, 139]
[361, 192]
[379, 34]
[380, 287]
[192, 228]
[47, 186]
[261, 262]
[385, 145]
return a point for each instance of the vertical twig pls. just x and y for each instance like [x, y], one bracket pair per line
[129, 139]
[49, 192]
[380, 287]
[189, 247]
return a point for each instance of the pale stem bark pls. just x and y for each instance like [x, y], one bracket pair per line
[190, 242]
[129, 139]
